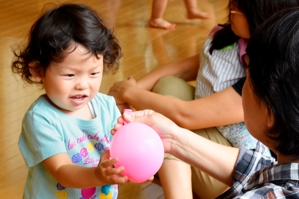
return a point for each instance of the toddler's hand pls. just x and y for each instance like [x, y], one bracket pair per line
[118, 125]
[106, 173]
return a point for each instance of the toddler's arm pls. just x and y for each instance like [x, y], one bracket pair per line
[74, 176]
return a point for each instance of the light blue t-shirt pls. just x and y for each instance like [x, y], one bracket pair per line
[46, 131]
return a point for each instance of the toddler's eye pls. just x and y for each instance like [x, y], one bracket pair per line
[69, 75]
[94, 74]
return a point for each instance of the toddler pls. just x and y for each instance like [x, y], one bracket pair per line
[65, 136]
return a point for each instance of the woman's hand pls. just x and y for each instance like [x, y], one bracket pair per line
[162, 125]
[118, 91]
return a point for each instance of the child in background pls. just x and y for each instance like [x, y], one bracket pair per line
[65, 136]
[216, 108]
[158, 7]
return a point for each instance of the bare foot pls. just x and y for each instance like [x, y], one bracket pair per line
[196, 14]
[161, 23]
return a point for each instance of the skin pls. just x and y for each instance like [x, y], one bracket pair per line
[239, 23]
[69, 86]
[158, 9]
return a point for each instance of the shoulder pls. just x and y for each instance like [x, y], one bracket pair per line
[103, 99]
[41, 107]
[43, 113]
[105, 104]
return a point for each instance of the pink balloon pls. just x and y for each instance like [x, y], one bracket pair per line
[139, 150]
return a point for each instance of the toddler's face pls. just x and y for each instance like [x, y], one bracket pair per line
[72, 83]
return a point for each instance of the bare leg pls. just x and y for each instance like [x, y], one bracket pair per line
[175, 177]
[156, 20]
[193, 12]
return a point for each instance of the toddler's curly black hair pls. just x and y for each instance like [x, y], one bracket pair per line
[60, 28]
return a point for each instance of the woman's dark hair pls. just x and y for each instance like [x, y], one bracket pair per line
[273, 52]
[256, 12]
[60, 28]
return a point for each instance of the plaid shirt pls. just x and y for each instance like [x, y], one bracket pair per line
[257, 177]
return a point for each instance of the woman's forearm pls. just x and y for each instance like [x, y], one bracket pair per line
[214, 159]
[218, 109]
[185, 69]
[221, 108]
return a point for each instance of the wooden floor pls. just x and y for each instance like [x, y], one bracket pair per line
[144, 48]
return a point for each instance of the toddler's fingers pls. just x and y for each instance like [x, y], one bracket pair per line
[120, 179]
[151, 178]
[105, 155]
[114, 171]
[106, 161]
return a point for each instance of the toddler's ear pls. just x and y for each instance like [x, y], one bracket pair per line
[34, 71]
